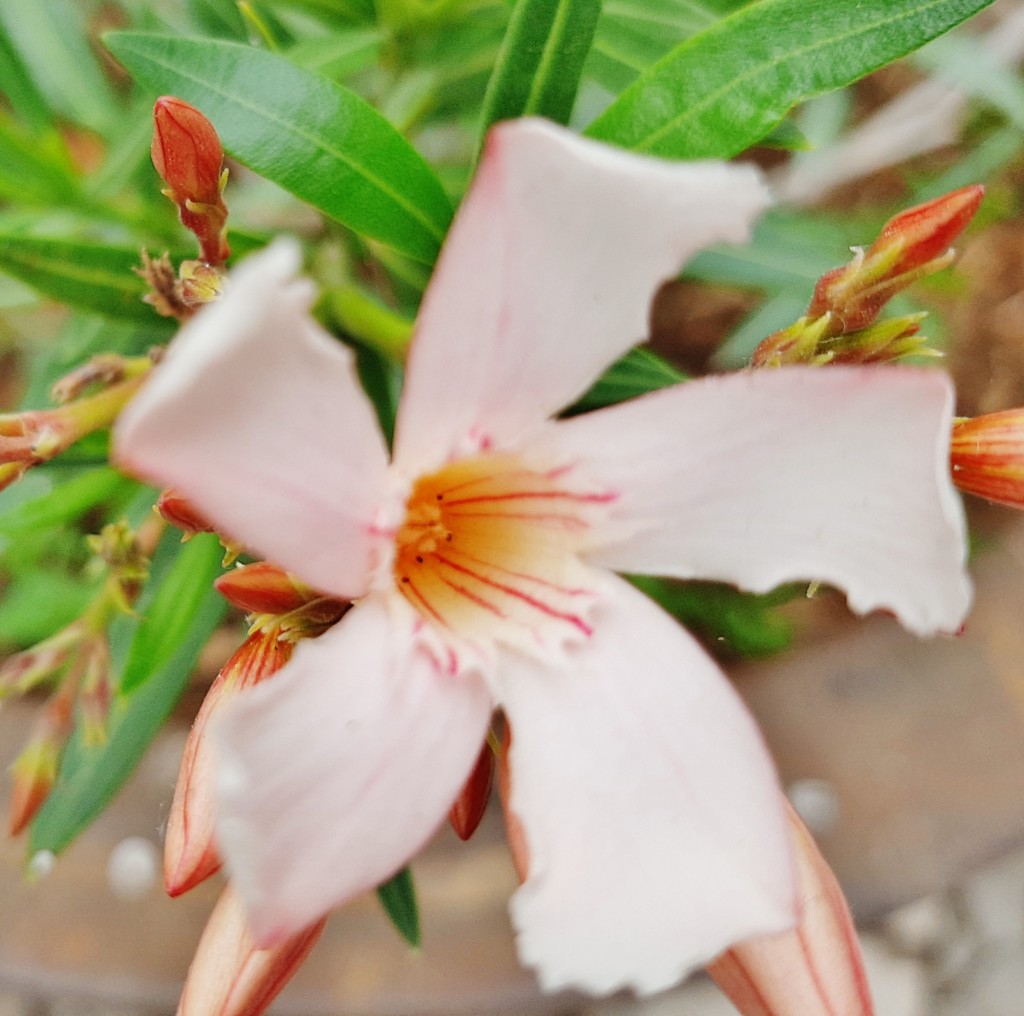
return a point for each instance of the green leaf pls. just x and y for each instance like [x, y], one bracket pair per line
[66, 502]
[312, 137]
[34, 168]
[92, 276]
[727, 87]
[52, 39]
[541, 60]
[17, 86]
[40, 602]
[335, 56]
[398, 897]
[90, 777]
[166, 622]
[638, 372]
[632, 34]
[744, 623]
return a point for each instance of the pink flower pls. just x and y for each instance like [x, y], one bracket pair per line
[479, 554]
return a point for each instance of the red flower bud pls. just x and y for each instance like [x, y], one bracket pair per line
[172, 507]
[987, 456]
[911, 245]
[928, 230]
[189, 158]
[264, 588]
[190, 853]
[186, 152]
[470, 805]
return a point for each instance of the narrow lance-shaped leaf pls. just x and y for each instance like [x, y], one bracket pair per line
[398, 897]
[90, 276]
[66, 502]
[541, 60]
[52, 42]
[90, 777]
[727, 87]
[314, 138]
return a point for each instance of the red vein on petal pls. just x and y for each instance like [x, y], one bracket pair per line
[524, 576]
[521, 495]
[812, 969]
[410, 587]
[544, 608]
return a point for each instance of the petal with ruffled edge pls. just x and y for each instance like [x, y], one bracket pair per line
[257, 417]
[839, 475]
[547, 277]
[337, 771]
[653, 822]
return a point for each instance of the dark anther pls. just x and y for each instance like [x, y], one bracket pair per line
[419, 560]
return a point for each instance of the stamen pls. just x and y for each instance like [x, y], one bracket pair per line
[488, 549]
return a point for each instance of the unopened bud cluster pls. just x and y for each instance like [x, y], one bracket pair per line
[841, 323]
[76, 662]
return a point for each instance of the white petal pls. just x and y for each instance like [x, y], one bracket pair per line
[336, 771]
[833, 474]
[547, 277]
[257, 417]
[653, 821]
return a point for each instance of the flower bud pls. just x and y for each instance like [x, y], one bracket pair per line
[174, 509]
[817, 967]
[186, 152]
[34, 771]
[229, 976]
[190, 852]
[987, 456]
[264, 588]
[470, 805]
[911, 245]
[189, 158]
[840, 325]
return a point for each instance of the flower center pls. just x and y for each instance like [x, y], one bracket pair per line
[489, 549]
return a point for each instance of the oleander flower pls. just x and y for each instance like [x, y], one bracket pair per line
[481, 554]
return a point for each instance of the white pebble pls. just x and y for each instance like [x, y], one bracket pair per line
[133, 867]
[816, 802]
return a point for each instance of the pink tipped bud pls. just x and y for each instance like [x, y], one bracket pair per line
[817, 967]
[987, 456]
[925, 232]
[186, 151]
[911, 245]
[264, 588]
[176, 510]
[35, 770]
[189, 158]
[229, 976]
[469, 807]
[190, 853]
